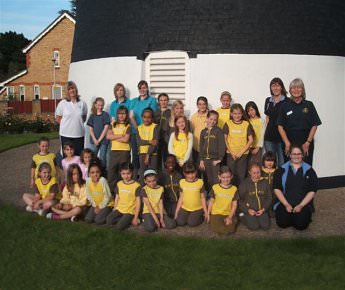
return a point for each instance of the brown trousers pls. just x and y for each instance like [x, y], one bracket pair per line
[115, 160]
[218, 226]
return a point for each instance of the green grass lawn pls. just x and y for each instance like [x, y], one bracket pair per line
[36, 253]
[8, 141]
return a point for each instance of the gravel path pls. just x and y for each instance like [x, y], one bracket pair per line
[327, 220]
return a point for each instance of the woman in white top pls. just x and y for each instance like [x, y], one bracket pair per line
[71, 115]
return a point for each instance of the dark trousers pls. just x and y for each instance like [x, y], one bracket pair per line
[299, 221]
[255, 158]
[218, 226]
[99, 218]
[152, 164]
[135, 154]
[162, 154]
[170, 207]
[191, 218]
[78, 144]
[121, 220]
[115, 160]
[238, 167]
[211, 173]
[150, 225]
[256, 222]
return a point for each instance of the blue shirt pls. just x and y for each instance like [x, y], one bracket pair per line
[138, 106]
[98, 122]
[115, 105]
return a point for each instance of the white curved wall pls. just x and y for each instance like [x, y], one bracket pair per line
[247, 77]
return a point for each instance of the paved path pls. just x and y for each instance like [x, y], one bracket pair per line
[328, 219]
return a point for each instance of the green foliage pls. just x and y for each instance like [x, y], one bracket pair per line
[12, 60]
[13, 124]
[38, 254]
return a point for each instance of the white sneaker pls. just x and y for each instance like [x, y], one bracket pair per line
[41, 212]
[49, 216]
[28, 208]
[73, 219]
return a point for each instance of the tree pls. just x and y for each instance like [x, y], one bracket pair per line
[12, 60]
[73, 10]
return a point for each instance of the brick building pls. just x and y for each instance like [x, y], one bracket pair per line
[48, 58]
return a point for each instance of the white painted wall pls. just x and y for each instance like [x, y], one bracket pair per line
[247, 77]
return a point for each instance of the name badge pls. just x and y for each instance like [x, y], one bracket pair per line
[288, 113]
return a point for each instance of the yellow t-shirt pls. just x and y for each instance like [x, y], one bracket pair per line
[96, 191]
[45, 189]
[238, 136]
[127, 196]
[49, 158]
[257, 126]
[180, 146]
[154, 196]
[146, 134]
[223, 197]
[224, 116]
[120, 129]
[191, 192]
[199, 122]
[75, 198]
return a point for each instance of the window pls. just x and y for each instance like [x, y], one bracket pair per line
[10, 93]
[57, 92]
[167, 72]
[36, 92]
[22, 92]
[56, 58]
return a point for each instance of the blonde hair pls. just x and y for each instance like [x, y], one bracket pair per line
[116, 87]
[71, 84]
[225, 93]
[93, 109]
[172, 116]
[297, 83]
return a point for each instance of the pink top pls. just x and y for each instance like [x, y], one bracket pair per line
[66, 163]
[84, 170]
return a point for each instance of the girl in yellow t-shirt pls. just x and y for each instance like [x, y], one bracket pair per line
[239, 136]
[199, 122]
[223, 203]
[127, 200]
[191, 206]
[224, 110]
[98, 194]
[154, 214]
[119, 134]
[45, 191]
[258, 125]
[73, 196]
[181, 141]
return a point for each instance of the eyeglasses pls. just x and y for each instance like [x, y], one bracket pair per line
[296, 154]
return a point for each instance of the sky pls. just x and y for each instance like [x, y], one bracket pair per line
[29, 17]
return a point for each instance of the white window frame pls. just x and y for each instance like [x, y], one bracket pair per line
[56, 58]
[53, 96]
[169, 72]
[22, 92]
[13, 91]
[39, 92]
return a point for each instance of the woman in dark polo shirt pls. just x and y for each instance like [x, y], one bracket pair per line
[294, 184]
[272, 139]
[298, 120]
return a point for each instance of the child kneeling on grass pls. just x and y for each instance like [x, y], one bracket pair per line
[153, 212]
[73, 196]
[223, 203]
[45, 191]
[255, 200]
[191, 206]
[98, 194]
[127, 200]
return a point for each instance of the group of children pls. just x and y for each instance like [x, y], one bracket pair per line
[218, 152]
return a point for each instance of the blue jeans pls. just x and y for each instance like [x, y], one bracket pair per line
[103, 152]
[135, 154]
[277, 148]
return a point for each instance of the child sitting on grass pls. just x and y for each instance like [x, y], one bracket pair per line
[127, 200]
[98, 194]
[223, 203]
[191, 206]
[43, 155]
[73, 196]
[153, 212]
[45, 191]
[169, 179]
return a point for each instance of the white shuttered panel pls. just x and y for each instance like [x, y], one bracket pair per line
[167, 72]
